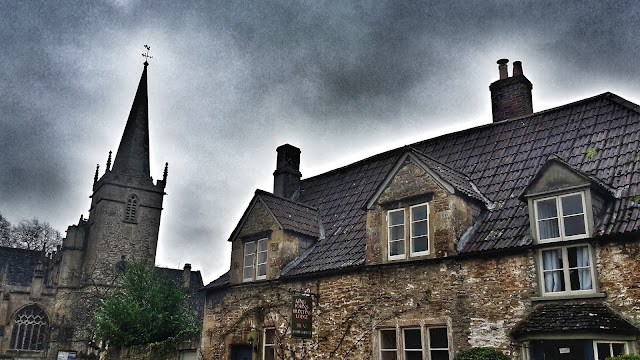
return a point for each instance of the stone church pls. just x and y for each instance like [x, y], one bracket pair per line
[521, 234]
[47, 300]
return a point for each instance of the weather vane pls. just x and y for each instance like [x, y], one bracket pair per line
[146, 55]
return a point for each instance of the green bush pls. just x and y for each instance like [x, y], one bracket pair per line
[626, 357]
[481, 353]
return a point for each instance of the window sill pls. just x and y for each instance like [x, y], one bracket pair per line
[568, 297]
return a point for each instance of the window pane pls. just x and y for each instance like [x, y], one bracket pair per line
[396, 217]
[413, 355]
[397, 232]
[388, 339]
[571, 204]
[262, 257]
[420, 244]
[419, 213]
[249, 248]
[247, 273]
[547, 209]
[552, 259]
[574, 225]
[397, 247]
[603, 351]
[439, 354]
[262, 270]
[618, 349]
[438, 338]
[269, 353]
[262, 245]
[549, 229]
[389, 355]
[412, 339]
[270, 336]
[419, 228]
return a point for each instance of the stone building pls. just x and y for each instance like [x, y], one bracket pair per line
[520, 234]
[47, 301]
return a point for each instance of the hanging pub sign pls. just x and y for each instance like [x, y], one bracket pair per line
[301, 314]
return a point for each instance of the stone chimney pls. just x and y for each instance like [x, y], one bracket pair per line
[186, 275]
[286, 178]
[510, 96]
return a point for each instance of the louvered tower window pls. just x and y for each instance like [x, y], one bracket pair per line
[132, 208]
[30, 328]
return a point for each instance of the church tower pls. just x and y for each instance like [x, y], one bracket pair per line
[124, 218]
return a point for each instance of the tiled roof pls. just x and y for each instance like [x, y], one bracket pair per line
[223, 280]
[500, 159]
[19, 263]
[586, 318]
[196, 298]
[292, 215]
[598, 136]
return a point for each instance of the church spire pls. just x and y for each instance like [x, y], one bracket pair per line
[132, 157]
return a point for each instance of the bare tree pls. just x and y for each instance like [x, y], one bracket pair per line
[35, 235]
[5, 231]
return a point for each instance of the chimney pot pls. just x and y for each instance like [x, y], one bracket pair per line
[286, 178]
[510, 96]
[517, 68]
[502, 68]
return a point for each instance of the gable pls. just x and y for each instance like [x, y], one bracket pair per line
[556, 177]
[258, 220]
[412, 181]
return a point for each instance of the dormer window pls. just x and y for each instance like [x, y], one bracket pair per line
[418, 220]
[255, 260]
[561, 218]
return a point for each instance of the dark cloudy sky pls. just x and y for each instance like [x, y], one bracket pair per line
[231, 80]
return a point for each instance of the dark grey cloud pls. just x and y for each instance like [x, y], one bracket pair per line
[232, 80]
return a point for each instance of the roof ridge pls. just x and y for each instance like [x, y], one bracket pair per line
[606, 95]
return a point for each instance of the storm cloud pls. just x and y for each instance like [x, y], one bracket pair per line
[231, 80]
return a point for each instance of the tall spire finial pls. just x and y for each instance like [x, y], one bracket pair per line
[109, 161]
[166, 172]
[95, 177]
[146, 54]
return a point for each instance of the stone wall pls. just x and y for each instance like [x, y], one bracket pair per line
[479, 299]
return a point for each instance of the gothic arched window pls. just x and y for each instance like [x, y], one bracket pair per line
[132, 208]
[30, 329]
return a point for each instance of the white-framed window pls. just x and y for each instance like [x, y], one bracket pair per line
[438, 343]
[418, 343]
[606, 349]
[561, 217]
[412, 343]
[255, 260]
[419, 229]
[269, 344]
[566, 270]
[396, 234]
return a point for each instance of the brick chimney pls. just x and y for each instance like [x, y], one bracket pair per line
[286, 178]
[510, 96]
